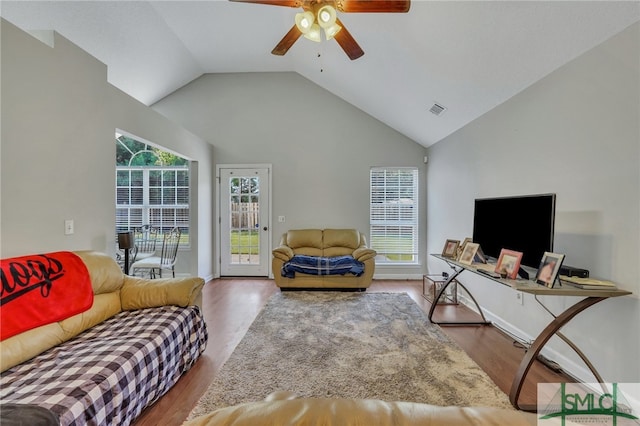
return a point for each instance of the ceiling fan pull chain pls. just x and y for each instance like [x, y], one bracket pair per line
[321, 59]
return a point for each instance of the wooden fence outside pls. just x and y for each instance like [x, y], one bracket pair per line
[245, 215]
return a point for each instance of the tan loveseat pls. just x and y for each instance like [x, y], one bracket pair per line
[287, 411]
[113, 292]
[324, 243]
[107, 364]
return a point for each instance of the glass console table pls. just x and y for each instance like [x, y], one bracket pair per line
[589, 298]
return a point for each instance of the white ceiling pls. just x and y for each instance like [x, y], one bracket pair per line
[468, 56]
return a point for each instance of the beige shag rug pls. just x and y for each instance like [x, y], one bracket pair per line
[349, 345]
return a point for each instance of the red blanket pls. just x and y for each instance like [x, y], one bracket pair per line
[40, 289]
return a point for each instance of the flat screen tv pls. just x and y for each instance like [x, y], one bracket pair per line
[521, 223]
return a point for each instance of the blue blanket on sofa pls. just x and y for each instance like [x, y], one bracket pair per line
[317, 265]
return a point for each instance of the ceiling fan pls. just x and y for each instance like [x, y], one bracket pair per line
[318, 15]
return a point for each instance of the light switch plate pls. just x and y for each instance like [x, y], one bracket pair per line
[68, 227]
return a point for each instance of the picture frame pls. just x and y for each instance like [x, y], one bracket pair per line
[450, 249]
[469, 253]
[462, 246]
[549, 268]
[508, 263]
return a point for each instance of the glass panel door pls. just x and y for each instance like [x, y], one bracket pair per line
[244, 221]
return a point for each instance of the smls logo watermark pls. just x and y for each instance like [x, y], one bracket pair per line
[615, 404]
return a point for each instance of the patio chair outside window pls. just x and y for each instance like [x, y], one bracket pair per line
[146, 238]
[167, 259]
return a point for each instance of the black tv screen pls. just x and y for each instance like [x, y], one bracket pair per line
[522, 223]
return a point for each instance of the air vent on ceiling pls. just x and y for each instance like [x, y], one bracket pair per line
[437, 109]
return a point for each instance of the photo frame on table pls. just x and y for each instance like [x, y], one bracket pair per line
[462, 246]
[549, 267]
[509, 263]
[469, 253]
[450, 249]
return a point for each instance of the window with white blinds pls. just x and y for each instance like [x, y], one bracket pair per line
[152, 188]
[394, 214]
[157, 196]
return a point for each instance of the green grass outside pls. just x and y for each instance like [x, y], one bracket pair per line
[244, 242]
[401, 246]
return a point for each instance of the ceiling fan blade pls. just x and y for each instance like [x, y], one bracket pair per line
[348, 43]
[287, 41]
[373, 6]
[287, 3]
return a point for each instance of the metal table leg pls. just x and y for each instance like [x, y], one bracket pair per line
[451, 278]
[546, 334]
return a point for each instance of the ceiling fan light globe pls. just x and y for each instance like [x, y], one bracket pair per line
[331, 31]
[314, 34]
[327, 16]
[304, 21]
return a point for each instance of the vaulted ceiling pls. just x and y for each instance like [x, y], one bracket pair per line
[468, 56]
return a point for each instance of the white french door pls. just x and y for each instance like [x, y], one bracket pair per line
[244, 222]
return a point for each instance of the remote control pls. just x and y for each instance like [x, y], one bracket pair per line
[489, 273]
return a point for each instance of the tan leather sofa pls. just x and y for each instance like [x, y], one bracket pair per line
[325, 243]
[286, 411]
[113, 292]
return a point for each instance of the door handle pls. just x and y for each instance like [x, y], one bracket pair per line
[265, 228]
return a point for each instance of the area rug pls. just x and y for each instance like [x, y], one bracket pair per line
[349, 345]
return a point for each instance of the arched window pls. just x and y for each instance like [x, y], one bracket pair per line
[152, 188]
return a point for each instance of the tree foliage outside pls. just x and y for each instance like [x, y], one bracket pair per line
[130, 152]
[244, 189]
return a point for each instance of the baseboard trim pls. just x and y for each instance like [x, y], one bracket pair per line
[570, 367]
[397, 276]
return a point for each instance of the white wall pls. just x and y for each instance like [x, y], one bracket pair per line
[321, 148]
[59, 117]
[575, 133]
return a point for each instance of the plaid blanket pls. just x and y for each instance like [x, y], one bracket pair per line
[318, 265]
[111, 372]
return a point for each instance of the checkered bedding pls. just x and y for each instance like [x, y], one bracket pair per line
[111, 372]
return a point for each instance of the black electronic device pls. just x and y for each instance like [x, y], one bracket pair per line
[522, 223]
[523, 274]
[489, 273]
[570, 271]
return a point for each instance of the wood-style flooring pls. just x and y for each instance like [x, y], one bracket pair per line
[231, 305]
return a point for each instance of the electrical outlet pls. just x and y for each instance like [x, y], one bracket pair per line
[281, 219]
[520, 297]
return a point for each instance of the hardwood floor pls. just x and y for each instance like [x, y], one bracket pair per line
[231, 305]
